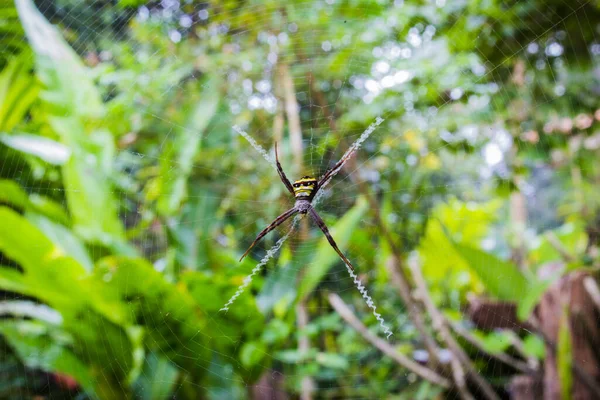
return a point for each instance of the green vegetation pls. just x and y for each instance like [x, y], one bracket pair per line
[126, 198]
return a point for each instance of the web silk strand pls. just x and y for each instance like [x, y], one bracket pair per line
[257, 146]
[270, 253]
[369, 301]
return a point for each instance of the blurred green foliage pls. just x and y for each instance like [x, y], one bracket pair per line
[126, 198]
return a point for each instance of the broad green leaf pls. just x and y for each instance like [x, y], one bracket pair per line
[564, 355]
[325, 257]
[62, 283]
[18, 90]
[74, 111]
[501, 278]
[180, 150]
[47, 149]
[67, 82]
[442, 265]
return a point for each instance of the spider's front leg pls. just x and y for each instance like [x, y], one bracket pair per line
[284, 178]
[324, 180]
[321, 224]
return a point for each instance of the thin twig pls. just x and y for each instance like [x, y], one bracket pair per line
[414, 311]
[502, 357]
[341, 308]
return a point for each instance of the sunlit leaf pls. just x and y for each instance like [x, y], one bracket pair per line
[47, 149]
[502, 278]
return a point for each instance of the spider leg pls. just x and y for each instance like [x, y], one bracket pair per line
[278, 221]
[284, 178]
[321, 224]
[324, 180]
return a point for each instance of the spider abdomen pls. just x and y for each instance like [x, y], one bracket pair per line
[302, 206]
[305, 188]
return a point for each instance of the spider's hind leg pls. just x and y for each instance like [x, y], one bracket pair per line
[321, 224]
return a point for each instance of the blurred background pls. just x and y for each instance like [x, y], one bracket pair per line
[471, 213]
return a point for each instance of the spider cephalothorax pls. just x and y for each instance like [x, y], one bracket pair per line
[304, 191]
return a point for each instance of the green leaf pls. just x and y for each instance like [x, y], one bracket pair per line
[564, 356]
[252, 354]
[331, 360]
[325, 257]
[12, 194]
[74, 110]
[66, 80]
[501, 278]
[18, 90]
[47, 149]
[534, 346]
[495, 342]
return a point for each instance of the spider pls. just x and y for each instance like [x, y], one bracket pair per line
[304, 191]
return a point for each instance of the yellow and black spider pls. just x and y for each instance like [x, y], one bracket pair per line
[304, 190]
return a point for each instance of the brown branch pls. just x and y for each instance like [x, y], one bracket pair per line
[579, 372]
[591, 287]
[439, 323]
[344, 311]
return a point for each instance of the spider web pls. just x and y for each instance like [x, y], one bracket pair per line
[388, 72]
